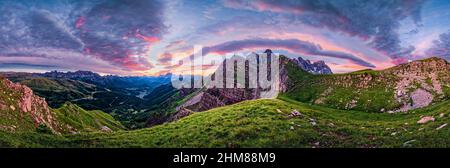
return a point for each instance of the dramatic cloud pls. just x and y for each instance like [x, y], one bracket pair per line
[292, 45]
[441, 47]
[174, 44]
[39, 58]
[121, 32]
[376, 21]
[117, 32]
[141, 36]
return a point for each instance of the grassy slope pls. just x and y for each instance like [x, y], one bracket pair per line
[87, 121]
[59, 91]
[258, 124]
[69, 114]
[338, 90]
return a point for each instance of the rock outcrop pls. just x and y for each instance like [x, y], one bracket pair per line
[421, 82]
[20, 99]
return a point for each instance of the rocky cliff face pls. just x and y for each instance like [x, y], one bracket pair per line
[18, 102]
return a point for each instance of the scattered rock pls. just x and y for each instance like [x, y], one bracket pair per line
[12, 107]
[312, 121]
[442, 126]
[292, 127]
[8, 128]
[408, 143]
[426, 119]
[279, 111]
[394, 133]
[73, 132]
[399, 93]
[106, 129]
[441, 115]
[295, 113]
[351, 104]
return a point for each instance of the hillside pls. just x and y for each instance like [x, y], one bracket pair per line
[131, 100]
[401, 88]
[22, 111]
[80, 120]
[272, 123]
[59, 91]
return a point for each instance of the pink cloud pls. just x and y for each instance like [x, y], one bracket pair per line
[80, 22]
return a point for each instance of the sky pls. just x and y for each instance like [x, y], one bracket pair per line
[144, 37]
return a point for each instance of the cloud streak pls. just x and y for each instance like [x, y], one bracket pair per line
[441, 47]
[375, 21]
[292, 45]
[117, 32]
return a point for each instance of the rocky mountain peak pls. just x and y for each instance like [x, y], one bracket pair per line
[318, 67]
[268, 51]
